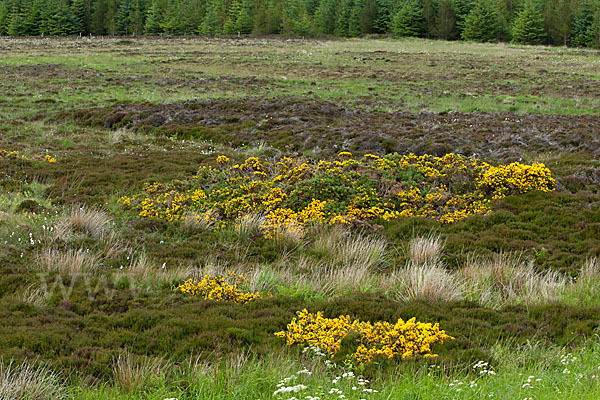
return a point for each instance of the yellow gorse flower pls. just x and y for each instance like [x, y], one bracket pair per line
[219, 288]
[293, 193]
[404, 338]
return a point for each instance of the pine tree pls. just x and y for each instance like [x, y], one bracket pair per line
[97, 24]
[4, 18]
[429, 18]
[82, 9]
[558, 18]
[354, 21]
[325, 16]
[384, 18]
[244, 23]
[368, 16]
[584, 19]
[528, 27]
[409, 20]
[211, 24]
[343, 17]
[445, 25]
[482, 24]
[229, 27]
[154, 19]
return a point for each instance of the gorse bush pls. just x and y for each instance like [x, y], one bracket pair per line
[219, 288]
[407, 339]
[293, 193]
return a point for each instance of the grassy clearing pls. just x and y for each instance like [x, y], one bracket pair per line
[87, 290]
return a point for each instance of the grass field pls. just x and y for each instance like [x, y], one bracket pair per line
[108, 203]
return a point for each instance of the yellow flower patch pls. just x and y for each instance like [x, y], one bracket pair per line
[292, 193]
[219, 288]
[404, 338]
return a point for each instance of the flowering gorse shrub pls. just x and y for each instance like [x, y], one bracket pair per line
[219, 288]
[293, 193]
[404, 338]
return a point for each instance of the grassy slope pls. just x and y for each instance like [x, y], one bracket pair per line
[42, 88]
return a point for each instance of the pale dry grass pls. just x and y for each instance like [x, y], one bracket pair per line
[508, 279]
[28, 381]
[89, 221]
[585, 289]
[249, 225]
[357, 251]
[425, 249]
[70, 262]
[113, 246]
[193, 221]
[33, 295]
[131, 373]
[427, 282]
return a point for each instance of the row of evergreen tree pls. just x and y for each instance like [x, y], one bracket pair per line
[559, 22]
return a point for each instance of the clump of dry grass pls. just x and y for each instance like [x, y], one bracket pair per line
[425, 249]
[71, 262]
[249, 225]
[193, 221]
[113, 246]
[33, 295]
[89, 221]
[131, 373]
[585, 289]
[360, 251]
[28, 381]
[427, 282]
[508, 279]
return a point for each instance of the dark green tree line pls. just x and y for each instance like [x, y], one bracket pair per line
[558, 22]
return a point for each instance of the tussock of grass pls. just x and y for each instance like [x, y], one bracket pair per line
[427, 282]
[29, 381]
[89, 221]
[508, 279]
[425, 249]
[358, 251]
[70, 262]
[131, 373]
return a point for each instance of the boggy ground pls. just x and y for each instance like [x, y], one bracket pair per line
[119, 113]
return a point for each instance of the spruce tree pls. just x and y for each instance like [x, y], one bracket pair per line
[229, 27]
[244, 23]
[325, 16]
[409, 20]
[384, 18]
[482, 24]
[97, 24]
[154, 19]
[4, 18]
[211, 24]
[558, 18]
[445, 23]
[368, 16]
[82, 9]
[528, 27]
[343, 17]
[594, 30]
[584, 19]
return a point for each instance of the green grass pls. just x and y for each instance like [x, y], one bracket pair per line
[94, 105]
